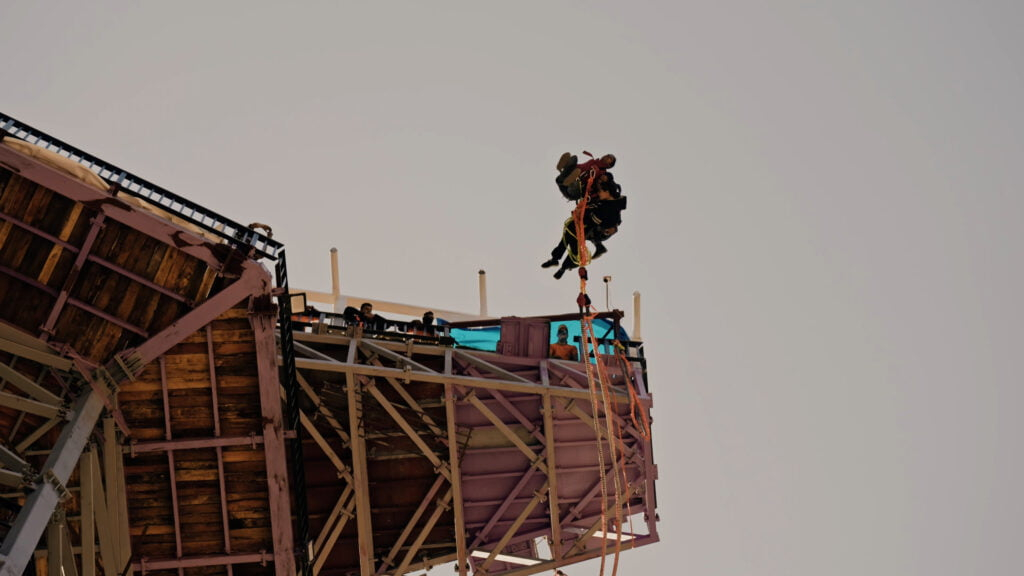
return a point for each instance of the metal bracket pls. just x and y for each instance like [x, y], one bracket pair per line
[128, 371]
[62, 491]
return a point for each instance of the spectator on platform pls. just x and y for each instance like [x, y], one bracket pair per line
[416, 327]
[365, 317]
[562, 349]
[428, 323]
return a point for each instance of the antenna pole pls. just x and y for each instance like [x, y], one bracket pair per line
[336, 282]
[483, 292]
[636, 316]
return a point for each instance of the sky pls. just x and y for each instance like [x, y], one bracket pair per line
[823, 222]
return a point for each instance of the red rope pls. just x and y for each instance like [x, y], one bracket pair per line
[612, 432]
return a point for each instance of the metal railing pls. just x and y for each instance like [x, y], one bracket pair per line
[291, 386]
[234, 233]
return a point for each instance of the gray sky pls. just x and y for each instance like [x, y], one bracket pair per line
[824, 222]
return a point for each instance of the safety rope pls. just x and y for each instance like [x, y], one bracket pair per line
[614, 441]
[604, 401]
[644, 426]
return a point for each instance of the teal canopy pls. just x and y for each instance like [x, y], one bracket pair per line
[486, 338]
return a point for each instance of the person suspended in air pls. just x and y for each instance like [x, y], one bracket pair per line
[604, 203]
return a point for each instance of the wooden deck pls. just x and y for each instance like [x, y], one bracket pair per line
[90, 282]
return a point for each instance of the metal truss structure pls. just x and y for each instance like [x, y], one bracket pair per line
[475, 457]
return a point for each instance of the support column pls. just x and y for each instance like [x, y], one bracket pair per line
[72, 277]
[262, 318]
[456, 479]
[88, 470]
[117, 502]
[360, 473]
[549, 436]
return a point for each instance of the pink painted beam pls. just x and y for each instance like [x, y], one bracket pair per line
[72, 277]
[76, 303]
[114, 208]
[94, 258]
[145, 566]
[262, 317]
[175, 508]
[252, 440]
[211, 359]
[253, 280]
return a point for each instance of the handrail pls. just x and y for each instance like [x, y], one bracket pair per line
[125, 181]
[614, 315]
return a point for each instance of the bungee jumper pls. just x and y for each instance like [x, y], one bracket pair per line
[599, 203]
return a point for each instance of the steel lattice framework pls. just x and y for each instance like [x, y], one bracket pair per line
[503, 450]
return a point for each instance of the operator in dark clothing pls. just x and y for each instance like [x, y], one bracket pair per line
[365, 317]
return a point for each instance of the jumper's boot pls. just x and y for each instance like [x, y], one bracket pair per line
[567, 159]
[567, 264]
[549, 263]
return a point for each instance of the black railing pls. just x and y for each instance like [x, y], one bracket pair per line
[319, 322]
[234, 233]
[291, 386]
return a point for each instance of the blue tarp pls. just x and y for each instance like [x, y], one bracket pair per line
[487, 338]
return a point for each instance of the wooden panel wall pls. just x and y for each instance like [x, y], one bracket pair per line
[197, 478]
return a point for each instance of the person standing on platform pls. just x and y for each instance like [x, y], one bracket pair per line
[562, 349]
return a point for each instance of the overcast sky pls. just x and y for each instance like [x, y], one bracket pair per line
[824, 222]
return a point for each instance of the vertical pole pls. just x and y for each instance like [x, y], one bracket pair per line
[483, 292]
[172, 478]
[67, 552]
[456, 479]
[607, 292]
[87, 467]
[636, 317]
[360, 474]
[336, 282]
[549, 441]
[261, 317]
[220, 451]
[110, 470]
[99, 505]
[290, 381]
[117, 499]
[53, 545]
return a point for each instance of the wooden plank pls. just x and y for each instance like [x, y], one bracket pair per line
[68, 226]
